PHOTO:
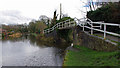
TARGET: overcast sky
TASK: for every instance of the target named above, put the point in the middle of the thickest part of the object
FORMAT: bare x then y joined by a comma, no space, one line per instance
22,11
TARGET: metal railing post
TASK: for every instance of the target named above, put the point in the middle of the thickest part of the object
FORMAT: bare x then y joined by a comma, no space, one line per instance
83,27
62,24
104,31
69,23
100,26
91,29
65,24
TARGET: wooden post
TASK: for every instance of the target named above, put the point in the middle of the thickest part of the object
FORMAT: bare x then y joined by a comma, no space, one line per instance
104,31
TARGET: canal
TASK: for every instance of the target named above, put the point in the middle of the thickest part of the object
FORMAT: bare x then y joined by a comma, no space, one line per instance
27,51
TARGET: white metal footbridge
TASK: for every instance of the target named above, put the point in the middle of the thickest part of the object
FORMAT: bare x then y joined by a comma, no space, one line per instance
84,23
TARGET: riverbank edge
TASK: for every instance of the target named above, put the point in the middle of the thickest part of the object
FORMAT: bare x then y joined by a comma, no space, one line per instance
67,51
65,54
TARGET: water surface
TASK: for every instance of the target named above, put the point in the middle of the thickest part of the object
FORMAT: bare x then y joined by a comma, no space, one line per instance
27,51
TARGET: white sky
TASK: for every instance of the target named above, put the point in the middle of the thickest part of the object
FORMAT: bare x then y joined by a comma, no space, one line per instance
21,11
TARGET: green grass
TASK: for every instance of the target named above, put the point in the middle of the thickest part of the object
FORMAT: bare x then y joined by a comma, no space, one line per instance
88,57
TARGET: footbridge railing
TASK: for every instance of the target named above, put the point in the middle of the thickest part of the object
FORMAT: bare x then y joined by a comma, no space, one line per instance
85,23
62,25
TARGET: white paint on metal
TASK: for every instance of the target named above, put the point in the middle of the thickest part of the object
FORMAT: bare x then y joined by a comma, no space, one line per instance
84,22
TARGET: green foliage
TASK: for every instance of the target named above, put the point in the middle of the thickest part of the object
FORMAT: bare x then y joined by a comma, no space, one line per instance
14,29
32,27
88,57
37,27
109,13
3,35
61,20
118,43
10,33
24,30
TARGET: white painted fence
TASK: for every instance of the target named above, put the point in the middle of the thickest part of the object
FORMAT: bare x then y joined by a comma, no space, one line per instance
84,22
62,25
91,27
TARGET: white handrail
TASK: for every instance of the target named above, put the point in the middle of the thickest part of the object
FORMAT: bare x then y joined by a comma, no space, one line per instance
61,25
100,23
83,24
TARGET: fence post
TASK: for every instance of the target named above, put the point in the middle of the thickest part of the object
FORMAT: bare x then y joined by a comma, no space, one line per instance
65,24
83,26
91,29
70,23
100,26
104,31
62,24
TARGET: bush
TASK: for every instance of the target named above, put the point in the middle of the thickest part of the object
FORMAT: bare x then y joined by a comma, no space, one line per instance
109,13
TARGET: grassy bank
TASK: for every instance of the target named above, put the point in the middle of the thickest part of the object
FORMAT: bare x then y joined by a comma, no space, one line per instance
88,57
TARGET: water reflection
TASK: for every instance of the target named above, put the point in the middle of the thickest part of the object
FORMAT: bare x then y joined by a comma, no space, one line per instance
27,51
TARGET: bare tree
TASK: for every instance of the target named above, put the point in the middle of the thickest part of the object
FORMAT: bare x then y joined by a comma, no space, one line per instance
93,4
89,3
44,19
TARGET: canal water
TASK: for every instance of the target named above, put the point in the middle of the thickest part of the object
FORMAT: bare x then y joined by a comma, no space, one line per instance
27,51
